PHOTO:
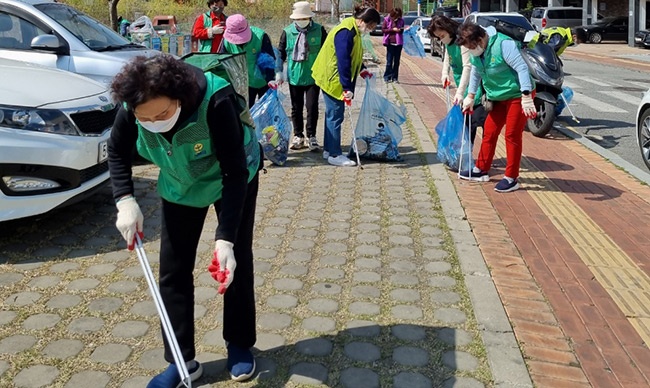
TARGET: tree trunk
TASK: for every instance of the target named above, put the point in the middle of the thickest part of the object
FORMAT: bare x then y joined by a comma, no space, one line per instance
112,14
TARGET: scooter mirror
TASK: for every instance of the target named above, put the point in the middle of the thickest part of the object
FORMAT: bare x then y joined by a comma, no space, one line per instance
529,36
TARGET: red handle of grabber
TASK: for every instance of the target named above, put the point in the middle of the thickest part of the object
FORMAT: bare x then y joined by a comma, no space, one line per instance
347,101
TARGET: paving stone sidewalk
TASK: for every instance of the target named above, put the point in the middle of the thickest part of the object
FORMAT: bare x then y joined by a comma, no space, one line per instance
358,281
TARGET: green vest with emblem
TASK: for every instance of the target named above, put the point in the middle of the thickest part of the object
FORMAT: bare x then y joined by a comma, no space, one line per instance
325,68
206,45
456,64
190,173
499,80
252,50
299,73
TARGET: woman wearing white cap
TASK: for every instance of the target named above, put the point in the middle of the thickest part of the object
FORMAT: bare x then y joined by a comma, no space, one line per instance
299,45
242,38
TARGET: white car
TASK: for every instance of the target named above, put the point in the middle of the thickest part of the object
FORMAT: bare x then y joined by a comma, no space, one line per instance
54,128
421,24
57,35
643,128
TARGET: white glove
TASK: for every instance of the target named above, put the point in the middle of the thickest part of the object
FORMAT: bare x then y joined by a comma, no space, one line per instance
458,99
468,104
129,220
348,95
528,106
217,30
223,264
444,80
279,78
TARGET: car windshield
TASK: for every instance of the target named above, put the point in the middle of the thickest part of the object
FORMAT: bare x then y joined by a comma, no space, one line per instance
92,33
605,21
518,21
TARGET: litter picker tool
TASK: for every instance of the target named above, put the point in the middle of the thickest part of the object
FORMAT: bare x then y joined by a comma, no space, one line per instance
467,123
566,103
448,98
357,145
162,312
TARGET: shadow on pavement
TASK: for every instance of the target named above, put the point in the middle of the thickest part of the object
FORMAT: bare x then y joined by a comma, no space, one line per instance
592,191
370,355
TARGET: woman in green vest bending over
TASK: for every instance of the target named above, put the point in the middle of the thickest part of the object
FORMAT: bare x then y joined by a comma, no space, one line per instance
497,62
299,45
335,72
187,123
239,38
457,59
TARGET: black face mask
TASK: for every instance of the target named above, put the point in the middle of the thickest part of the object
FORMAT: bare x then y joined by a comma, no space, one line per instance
217,9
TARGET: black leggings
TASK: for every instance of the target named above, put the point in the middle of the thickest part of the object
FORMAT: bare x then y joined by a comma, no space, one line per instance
181,231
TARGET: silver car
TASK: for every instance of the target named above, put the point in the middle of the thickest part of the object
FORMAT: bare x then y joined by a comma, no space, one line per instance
57,35
54,128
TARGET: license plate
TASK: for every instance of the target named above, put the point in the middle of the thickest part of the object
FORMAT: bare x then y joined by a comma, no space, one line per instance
103,151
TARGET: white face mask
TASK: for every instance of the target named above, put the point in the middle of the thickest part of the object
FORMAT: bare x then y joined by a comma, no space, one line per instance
162,126
477,52
446,39
302,23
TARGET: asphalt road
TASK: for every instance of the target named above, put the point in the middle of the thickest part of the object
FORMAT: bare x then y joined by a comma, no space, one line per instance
605,101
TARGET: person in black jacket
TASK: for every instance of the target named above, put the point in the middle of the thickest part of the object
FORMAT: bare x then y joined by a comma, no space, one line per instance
188,123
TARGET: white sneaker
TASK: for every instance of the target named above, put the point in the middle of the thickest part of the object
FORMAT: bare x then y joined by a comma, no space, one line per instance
326,155
297,143
341,161
313,145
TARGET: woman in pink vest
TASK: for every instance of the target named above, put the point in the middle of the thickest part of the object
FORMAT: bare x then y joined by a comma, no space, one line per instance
393,29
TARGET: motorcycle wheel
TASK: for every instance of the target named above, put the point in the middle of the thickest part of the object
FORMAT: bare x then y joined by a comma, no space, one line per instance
541,125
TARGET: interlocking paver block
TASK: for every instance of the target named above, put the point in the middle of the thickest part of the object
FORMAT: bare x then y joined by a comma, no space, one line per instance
319,324
41,321
411,380
322,305
16,343
36,376
457,360
362,351
130,329
88,379
85,325
308,373
63,348
111,353
274,321
359,378
106,305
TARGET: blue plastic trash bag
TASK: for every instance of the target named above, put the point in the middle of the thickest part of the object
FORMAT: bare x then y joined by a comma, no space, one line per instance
567,92
412,44
378,131
454,143
272,127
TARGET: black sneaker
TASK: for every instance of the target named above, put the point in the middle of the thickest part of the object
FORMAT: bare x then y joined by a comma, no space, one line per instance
470,175
505,186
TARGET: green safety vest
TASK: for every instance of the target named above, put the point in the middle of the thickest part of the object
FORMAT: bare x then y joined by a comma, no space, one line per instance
456,64
299,73
190,173
325,68
206,45
252,50
499,80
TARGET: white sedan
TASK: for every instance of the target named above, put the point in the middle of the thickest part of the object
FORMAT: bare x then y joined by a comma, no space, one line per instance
54,127
421,24
643,128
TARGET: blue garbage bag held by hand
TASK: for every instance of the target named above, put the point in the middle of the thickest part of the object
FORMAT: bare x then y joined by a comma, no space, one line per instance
451,144
272,126
378,131
412,44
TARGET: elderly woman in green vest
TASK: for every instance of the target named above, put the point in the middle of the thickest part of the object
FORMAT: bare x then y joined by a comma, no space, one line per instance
243,38
299,45
457,60
209,27
190,126
497,63
335,72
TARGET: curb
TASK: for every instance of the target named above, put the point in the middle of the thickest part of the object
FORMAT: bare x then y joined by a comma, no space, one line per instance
503,353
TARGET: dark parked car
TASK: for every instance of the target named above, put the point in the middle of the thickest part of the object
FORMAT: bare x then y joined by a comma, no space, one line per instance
642,38
437,48
609,28
450,12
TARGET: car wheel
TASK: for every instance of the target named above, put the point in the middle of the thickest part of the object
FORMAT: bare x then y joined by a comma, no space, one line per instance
643,137
595,38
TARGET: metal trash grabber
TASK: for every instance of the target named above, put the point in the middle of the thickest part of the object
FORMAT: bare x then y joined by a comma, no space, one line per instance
448,98
467,123
355,148
162,312
566,103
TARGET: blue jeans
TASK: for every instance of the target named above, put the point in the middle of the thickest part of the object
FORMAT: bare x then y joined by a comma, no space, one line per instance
334,110
393,56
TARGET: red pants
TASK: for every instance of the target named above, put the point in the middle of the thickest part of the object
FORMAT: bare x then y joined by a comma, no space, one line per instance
510,114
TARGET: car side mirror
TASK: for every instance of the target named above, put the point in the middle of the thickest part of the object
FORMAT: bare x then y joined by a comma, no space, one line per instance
49,42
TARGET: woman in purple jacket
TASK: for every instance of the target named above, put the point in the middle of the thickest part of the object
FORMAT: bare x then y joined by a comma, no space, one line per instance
393,29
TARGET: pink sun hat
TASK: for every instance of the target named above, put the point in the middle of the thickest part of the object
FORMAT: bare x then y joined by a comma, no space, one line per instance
237,29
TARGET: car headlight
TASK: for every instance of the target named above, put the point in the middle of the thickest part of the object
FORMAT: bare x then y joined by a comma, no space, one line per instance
39,120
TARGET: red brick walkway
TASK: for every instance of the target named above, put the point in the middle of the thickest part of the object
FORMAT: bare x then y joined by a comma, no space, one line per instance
578,315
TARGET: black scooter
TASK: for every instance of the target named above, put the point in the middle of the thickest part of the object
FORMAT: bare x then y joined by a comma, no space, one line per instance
546,70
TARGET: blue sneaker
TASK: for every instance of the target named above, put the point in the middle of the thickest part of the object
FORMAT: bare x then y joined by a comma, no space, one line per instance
506,186
171,379
470,175
241,363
